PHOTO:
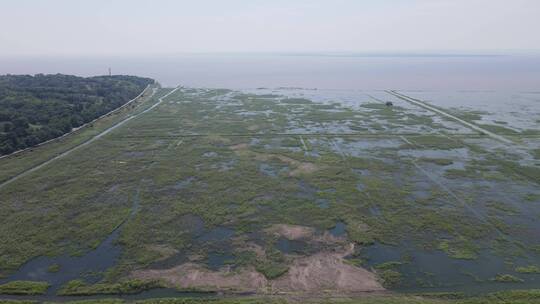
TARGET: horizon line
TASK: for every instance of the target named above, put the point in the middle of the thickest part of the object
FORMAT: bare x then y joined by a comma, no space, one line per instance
382,53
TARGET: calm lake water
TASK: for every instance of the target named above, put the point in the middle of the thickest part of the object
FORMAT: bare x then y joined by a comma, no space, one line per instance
330,71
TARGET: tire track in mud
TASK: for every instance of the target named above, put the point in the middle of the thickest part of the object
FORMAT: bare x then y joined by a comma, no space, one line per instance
86,143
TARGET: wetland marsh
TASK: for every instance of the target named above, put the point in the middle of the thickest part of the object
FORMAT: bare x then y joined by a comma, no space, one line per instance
262,191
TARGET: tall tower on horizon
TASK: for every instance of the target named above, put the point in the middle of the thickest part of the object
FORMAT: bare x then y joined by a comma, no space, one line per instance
110,74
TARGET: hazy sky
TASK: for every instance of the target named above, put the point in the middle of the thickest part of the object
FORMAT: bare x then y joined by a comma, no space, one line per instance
102,27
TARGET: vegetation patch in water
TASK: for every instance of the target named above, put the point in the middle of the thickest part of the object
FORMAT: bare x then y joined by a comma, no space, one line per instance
498,129
296,101
80,288
458,173
390,278
461,249
434,142
468,115
388,273
389,265
506,278
443,295
502,207
24,288
531,269
53,268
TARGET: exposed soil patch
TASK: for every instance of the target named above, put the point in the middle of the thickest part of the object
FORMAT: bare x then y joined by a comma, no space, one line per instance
325,272
192,275
296,232
300,168
292,232
240,147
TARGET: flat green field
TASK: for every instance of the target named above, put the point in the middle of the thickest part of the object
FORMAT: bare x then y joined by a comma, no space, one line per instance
289,192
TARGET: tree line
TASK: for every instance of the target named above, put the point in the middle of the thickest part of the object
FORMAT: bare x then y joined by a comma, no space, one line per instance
34,109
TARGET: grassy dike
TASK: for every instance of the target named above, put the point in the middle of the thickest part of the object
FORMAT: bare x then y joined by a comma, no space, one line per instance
506,297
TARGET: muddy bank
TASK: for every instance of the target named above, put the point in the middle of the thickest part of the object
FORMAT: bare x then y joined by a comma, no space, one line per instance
195,276
323,272
326,272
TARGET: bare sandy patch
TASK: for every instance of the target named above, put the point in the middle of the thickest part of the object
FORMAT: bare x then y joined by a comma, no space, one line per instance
325,272
297,232
191,275
239,147
322,273
299,167
292,232
330,239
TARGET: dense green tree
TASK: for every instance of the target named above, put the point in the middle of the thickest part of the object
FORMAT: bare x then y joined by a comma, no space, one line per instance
37,108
